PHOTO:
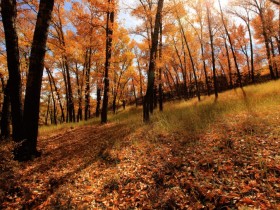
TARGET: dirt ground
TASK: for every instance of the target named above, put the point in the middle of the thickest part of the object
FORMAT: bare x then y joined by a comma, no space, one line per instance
114,166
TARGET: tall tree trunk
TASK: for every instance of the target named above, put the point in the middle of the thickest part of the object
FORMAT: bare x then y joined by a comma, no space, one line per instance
274,65
212,50
231,46
134,92
160,90
252,50
71,109
53,99
204,69
79,91
98,100
229,65
66,93
57,94
192,61
9,13
5,118
87,88
109,33
148,100
183,66
48,110
28,148
140,77
266,41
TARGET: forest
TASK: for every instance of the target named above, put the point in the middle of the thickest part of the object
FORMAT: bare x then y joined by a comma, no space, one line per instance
139,104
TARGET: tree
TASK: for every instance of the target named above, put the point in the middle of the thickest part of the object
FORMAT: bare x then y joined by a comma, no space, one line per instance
28,148
148,100
190,53
245,16
211,37
9,13
109,38
260,8
231,45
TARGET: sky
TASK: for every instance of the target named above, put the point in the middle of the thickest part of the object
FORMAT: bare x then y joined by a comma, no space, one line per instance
125,19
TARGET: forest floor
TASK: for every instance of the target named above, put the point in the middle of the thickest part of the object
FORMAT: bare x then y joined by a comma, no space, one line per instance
222,154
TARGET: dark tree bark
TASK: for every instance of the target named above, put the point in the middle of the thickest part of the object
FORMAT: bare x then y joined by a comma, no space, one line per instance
160,90
28,148
5,118
148,100
79,91
98,100
87,88
71,109
109,33
9,13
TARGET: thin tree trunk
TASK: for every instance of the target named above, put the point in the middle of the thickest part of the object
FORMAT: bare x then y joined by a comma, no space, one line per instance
212,51
274,65
160,91
48,110
192,61
229,65
231,46
53,99
71,110
57,94
87,88
79,92
109,33
252,51
266,41
152,64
